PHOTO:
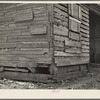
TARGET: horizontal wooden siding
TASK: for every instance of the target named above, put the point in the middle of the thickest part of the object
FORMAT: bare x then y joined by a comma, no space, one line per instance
24,35
71,39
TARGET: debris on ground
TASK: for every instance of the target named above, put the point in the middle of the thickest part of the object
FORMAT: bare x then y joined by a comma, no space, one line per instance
90,81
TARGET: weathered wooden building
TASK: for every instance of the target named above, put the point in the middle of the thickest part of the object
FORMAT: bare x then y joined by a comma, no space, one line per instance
41,42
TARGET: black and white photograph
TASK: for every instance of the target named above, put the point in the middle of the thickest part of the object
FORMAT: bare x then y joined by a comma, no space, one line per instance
50,46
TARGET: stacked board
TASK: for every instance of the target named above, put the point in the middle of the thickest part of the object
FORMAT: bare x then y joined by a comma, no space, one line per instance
24,35
71,34
85,32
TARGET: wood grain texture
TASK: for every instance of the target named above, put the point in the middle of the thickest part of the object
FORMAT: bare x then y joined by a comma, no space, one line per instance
74,25
24,15
26,76
60,30
66,54
71,60
40,29
60,38
74,36
59,11
72,43
58,43
41,34
63,8
73,50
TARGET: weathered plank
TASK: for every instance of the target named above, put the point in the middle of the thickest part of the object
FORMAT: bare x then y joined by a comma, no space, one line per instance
85,15
84,31
8,45
40,17
62,18
65,54
69,9
7,20
85,20
24,23
38,22
26,58
23,6
63,4
26,76
85,11
33,45
34,56
65,9
29,59
60,38
45,60
85,23
16,70
30,62
58,44
85,43
8,63
10,8
67,69
75,10
12,27
3,27
84,35
59,11
59,49
24,15
84,55
85,47
6,33
8,14
60,27
40,10
71,60
8,58
74,36
4,5
27,38
73,50
59,22
3,39
84,27
80,14
72,43
74,25
85,50
38,29
24,52
60,30
30,65
84,39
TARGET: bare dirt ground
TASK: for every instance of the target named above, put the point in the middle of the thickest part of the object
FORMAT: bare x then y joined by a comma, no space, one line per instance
90,81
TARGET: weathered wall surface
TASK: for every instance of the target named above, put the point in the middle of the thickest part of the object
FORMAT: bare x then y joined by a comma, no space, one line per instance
37,39
71,34
24,35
